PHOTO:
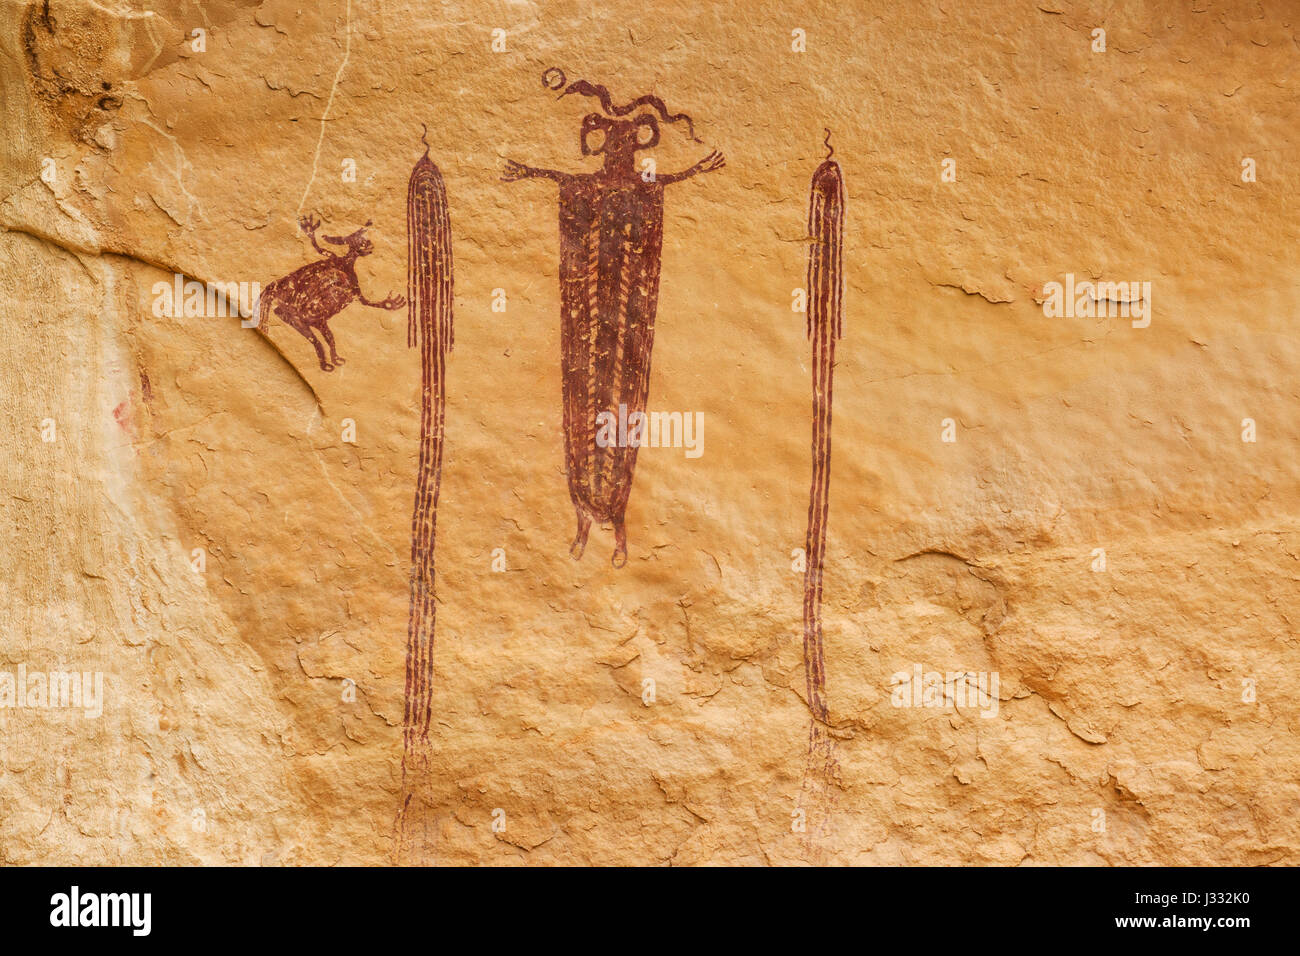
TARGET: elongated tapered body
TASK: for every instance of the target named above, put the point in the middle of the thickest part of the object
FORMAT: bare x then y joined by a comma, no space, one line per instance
611,236
429,287
825,326
610,240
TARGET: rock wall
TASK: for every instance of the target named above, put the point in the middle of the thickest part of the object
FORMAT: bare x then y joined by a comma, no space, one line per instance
1089,502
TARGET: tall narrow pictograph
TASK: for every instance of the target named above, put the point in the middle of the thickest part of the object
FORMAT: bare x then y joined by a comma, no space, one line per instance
611,235
825,327
429,290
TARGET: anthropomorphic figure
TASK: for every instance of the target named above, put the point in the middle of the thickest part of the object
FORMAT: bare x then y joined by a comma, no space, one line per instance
611,234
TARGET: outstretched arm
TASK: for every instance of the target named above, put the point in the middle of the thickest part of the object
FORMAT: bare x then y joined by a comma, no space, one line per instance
516,171
708,164
309,225
392,303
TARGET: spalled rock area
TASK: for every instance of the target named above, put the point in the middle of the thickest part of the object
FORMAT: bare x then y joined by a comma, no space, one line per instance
1094,507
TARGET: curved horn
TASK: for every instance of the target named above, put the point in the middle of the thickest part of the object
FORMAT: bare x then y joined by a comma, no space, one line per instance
599,92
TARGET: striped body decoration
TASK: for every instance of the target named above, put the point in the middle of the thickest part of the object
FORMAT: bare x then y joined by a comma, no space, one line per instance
611,237
429,293
610,240
825,326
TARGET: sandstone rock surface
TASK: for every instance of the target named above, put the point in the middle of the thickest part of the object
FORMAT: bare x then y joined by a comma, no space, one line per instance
1098,532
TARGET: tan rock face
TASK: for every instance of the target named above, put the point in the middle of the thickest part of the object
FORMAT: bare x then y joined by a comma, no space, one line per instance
1092,513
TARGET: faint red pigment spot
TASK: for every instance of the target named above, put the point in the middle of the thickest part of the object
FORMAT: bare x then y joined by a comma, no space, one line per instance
122,413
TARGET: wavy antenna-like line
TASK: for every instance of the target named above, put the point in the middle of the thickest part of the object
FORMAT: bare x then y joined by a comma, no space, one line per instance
601,93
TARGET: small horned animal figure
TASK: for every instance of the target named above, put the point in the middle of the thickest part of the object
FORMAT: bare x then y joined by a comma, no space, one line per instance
307,298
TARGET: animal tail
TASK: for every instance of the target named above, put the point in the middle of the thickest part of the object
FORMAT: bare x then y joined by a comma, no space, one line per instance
263,310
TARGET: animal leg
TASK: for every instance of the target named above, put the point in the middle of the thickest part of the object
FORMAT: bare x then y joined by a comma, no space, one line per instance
580,539
320,352
620,544
288,316
329,338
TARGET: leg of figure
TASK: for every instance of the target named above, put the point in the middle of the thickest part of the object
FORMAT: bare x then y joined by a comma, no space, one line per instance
329,338
320,351
620,543
580,539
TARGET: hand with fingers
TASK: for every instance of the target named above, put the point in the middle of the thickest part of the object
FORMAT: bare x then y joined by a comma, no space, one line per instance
515,172
715,160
